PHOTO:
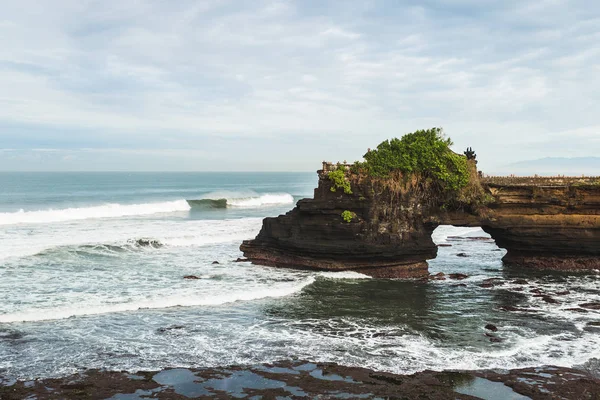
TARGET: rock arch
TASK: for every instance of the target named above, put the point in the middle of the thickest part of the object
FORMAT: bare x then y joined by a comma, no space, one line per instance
547,223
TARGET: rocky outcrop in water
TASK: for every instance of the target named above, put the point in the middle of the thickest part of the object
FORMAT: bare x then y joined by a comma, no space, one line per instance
387,236
546,223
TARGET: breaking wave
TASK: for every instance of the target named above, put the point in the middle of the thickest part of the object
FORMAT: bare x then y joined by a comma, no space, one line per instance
247,201
158,303
208,203
115,210
94,212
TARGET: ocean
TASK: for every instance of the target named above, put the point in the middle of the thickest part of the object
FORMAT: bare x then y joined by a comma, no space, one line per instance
92,270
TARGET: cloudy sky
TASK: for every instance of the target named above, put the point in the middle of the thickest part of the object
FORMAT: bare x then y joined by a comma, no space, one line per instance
283,85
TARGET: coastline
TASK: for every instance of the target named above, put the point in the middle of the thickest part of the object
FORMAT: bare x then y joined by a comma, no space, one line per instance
303,379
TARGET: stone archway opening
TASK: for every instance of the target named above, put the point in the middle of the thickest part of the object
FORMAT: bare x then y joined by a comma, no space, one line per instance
465,250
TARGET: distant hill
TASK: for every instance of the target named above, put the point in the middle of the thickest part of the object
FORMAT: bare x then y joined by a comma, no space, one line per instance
554,166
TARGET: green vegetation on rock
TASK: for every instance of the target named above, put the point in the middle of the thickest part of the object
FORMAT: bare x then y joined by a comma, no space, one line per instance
424,161
425,152
338,177
348,216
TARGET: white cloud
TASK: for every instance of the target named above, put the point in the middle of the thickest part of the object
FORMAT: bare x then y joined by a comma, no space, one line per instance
498,75
340,33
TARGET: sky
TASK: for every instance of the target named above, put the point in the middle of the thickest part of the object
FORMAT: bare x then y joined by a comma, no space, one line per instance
277,85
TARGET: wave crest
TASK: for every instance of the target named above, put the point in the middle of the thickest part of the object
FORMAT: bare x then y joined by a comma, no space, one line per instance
249,201
104,211
158,303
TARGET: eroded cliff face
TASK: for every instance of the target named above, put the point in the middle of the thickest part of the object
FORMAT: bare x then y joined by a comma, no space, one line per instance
388,237
543,223
550,225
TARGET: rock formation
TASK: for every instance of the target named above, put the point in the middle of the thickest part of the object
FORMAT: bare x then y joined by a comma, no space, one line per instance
388,235
543,223
546,223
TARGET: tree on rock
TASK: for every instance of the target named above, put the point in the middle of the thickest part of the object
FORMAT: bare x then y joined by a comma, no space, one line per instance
425,152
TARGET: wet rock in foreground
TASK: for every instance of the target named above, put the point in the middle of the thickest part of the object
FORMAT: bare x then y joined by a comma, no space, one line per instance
299,380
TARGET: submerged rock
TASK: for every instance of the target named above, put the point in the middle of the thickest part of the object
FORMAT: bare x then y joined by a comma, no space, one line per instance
491,327
457,276
579,310
491,282
550,300
306,380
170,328
191,277
148,243
518,309
591,306
440,276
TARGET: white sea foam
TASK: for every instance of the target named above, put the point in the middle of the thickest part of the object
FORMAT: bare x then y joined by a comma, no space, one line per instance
242,294
344,275
16,242
443,231
94,212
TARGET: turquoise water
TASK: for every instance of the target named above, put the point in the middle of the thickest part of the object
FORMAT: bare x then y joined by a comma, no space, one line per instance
92,267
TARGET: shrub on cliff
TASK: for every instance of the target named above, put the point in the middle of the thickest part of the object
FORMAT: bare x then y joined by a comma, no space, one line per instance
425,152
348,216
338,177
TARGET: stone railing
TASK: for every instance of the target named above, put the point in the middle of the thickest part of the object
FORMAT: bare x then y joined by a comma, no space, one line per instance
540,180
329,166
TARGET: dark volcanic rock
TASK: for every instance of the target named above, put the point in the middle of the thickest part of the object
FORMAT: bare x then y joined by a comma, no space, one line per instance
215,262
191,277
491,282
579,310
591,306
552,223
512,308
550,300
390,238
491,327
458,277
444,245
148,243
169,328
462,255
440,276
300,379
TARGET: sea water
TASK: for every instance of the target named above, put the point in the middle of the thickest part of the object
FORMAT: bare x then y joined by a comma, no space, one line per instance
92,270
